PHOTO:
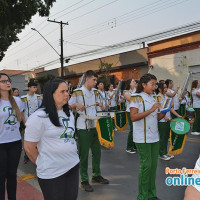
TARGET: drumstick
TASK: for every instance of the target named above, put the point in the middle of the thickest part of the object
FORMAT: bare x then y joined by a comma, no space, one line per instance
90,106
173,121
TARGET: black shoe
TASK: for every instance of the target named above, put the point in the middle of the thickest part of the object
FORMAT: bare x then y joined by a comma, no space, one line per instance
86,186
100,179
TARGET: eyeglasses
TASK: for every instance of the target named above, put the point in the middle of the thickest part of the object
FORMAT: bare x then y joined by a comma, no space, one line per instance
6,81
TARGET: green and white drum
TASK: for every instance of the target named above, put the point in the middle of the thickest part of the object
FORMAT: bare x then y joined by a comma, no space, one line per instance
178,135
105,132
121,120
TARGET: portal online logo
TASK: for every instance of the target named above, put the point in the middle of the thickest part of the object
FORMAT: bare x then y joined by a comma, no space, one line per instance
183,179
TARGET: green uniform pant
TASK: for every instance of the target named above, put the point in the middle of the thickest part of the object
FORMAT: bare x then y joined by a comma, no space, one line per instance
196,125
164,130
148,156
89,139
130,143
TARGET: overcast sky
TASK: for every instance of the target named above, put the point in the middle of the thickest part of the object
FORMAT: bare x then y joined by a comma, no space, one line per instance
94,24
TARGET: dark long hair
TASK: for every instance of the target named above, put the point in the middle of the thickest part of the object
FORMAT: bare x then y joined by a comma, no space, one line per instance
194,84
144,79
167,82
160,86
48,102
128,82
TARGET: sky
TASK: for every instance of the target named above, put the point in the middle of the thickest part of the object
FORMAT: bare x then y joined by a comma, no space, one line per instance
94,24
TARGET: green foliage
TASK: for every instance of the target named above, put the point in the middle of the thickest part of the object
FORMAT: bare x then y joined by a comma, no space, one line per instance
105,77
43,79
15,15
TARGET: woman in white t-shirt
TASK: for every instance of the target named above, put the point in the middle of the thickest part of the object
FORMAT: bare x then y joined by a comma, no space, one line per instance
10,138
112,96
195,90
49,143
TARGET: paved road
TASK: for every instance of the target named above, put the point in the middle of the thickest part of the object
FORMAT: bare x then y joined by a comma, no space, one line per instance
121,168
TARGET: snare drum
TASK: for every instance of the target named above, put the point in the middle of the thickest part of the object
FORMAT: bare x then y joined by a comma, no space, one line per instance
178,135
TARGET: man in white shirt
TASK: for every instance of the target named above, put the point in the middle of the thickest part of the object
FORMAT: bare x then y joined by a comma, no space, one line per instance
31,102
85,100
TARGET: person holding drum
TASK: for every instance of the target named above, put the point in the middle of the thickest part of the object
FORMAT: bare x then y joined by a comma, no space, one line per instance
173,94
164,124
145,117
130,89
195,90
104,99
112,96
84,99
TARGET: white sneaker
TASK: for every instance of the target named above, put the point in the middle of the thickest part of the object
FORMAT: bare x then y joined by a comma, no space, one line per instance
164,157
170,156
115,129
195,133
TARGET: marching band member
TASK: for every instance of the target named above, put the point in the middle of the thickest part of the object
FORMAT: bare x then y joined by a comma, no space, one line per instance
112,95
164,124
173,94
31,102
87,134
195,90
11,113
130,89
145,117
103,97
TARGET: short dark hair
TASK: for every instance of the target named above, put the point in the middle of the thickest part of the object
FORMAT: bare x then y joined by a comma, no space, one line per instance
48,102
13,89
144,79
90,73
32,83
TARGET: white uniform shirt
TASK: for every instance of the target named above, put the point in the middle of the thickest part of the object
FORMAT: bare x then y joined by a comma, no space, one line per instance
145,130
88,98
31,103
163,98
196,99
197,166
103,97
113,101
9,126
175,99
130,92
56,145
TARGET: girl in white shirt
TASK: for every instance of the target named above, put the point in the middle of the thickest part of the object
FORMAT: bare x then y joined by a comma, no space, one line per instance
10,137
49,143
145,116
195,90
112,97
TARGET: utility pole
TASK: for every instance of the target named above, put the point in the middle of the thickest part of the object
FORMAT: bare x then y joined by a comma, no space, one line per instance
61,43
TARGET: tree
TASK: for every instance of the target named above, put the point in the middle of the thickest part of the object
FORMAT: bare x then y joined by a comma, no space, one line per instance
105,77
43,79
15,15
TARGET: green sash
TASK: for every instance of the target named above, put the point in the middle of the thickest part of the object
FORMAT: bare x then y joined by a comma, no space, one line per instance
179,128
105,132
121,120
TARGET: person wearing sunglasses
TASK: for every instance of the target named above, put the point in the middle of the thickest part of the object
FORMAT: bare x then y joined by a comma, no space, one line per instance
10,138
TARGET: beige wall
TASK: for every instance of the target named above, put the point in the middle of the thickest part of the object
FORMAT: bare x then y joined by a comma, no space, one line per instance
175,66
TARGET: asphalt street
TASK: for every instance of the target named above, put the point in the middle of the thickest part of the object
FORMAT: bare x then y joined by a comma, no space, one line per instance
121,168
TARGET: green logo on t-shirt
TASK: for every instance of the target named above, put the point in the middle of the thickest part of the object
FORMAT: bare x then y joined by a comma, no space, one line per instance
65,123
11,117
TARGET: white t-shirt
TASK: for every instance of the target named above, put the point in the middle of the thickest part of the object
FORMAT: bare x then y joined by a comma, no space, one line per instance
113,101
175,99
129,92
86,98
196,99
56,145
31,103
103,97
197,166
9,126
145,130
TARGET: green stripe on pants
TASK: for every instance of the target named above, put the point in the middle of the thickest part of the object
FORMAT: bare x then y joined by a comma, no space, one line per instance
148,156
164,129
89,139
